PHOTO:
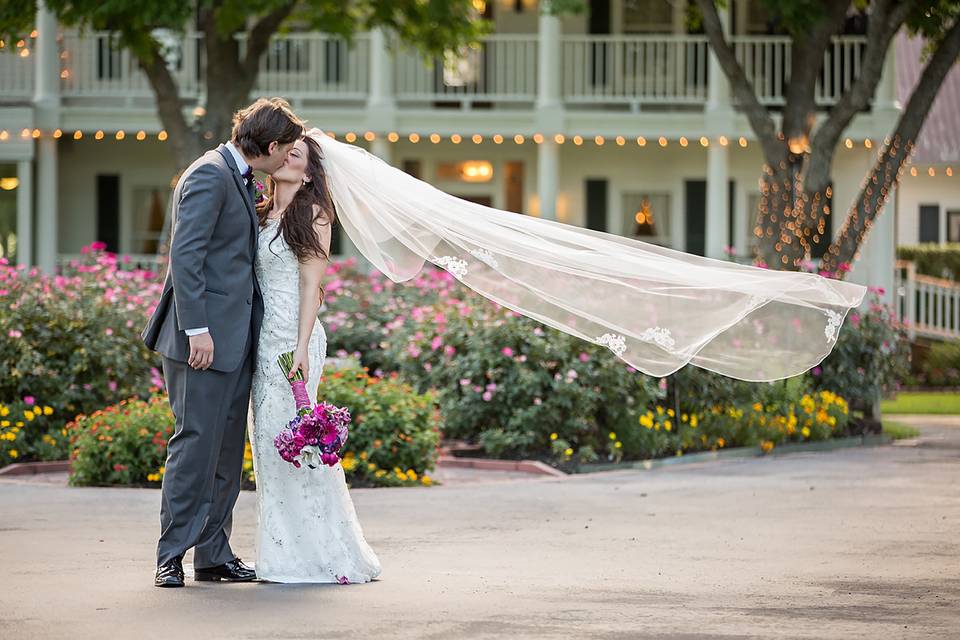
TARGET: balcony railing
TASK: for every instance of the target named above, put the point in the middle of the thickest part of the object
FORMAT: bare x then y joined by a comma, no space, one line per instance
633,71
928,306
503,68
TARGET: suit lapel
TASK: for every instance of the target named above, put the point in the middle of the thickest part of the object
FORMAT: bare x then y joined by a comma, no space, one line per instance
244,193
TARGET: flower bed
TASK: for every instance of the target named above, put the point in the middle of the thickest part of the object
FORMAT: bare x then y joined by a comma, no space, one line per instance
393,439
73,339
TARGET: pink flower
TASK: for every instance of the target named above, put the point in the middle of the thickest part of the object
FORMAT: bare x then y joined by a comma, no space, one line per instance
487,396
817,371
464,382
13,333
436,343
108,331
584,357
662,385
537,401
507,351
98,245
29,400
855,319
113,385
448,350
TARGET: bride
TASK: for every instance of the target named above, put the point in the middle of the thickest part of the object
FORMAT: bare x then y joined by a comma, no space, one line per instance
307,527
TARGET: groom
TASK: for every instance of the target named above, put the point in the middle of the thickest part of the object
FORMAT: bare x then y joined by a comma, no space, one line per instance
206,327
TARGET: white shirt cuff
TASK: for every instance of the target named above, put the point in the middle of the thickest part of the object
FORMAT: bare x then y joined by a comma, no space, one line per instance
196,332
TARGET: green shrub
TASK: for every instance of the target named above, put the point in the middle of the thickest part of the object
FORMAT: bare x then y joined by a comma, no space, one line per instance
941,366
394,435
31,431
393,440
123,444
73,339
939,261
871,357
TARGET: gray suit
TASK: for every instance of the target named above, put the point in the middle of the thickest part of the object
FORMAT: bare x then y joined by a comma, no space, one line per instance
210,283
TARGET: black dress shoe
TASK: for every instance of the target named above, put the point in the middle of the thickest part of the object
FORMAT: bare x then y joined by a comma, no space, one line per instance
233,571
169,574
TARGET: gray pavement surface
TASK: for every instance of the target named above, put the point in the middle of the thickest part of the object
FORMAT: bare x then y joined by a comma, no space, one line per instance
855,543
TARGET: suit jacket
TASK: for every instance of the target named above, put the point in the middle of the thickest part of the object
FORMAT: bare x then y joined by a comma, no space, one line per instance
210,281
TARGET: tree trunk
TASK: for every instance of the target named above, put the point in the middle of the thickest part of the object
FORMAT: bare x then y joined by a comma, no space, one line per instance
886,172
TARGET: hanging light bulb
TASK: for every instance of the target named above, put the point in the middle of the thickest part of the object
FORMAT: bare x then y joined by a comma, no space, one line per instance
683,141
538,138
393,136
477,138
662,141
704,141
518,139
414,137
350,137
498,139
641,141
456,138
162,136
723,141
621,141
599,141
77,134
141,135
435,138
577,140
121,135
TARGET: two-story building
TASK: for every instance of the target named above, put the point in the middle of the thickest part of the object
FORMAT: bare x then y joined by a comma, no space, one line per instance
618,119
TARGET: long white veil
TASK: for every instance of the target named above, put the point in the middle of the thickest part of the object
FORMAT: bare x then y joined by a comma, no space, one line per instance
657,309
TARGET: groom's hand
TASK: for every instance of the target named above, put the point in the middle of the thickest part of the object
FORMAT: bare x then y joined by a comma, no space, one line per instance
201,351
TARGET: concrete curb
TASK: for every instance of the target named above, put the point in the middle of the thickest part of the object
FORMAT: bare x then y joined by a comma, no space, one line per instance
740,453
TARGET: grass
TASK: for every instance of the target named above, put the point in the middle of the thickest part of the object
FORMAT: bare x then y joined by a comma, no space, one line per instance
899,431
920,402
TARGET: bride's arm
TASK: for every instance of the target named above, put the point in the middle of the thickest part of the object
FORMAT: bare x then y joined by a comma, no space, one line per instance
311,295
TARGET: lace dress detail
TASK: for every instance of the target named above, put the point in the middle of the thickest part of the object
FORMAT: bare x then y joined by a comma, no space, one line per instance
307,529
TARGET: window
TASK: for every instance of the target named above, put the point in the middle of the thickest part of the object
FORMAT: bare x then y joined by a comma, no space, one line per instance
646,216
953,226
929,223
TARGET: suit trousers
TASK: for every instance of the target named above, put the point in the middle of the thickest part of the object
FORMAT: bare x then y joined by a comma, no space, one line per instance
204,465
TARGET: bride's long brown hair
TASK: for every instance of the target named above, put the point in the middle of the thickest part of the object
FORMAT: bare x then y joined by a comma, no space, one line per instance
297,221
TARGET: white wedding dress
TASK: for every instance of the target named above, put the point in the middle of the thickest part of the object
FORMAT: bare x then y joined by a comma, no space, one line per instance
307,527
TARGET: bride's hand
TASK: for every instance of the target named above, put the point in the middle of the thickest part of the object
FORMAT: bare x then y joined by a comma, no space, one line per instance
301,361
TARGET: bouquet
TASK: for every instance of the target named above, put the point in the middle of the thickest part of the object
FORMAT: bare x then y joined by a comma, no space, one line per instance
317,433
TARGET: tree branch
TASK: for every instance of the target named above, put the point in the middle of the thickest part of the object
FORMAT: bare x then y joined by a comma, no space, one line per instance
258,38
879,183
760,120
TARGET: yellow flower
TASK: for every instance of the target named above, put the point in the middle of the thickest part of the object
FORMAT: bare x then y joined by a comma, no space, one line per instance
426,480
670,413
659,411
694,421
667,425
568,452
402,476
684,417
48,411
371,466
162,470
613,436
4,411
412,474
153,477
806,432
766,445
348,463
13,453
646,421
380,473
28,415
554,436
721,442
618,444
5,423
363,455
757,406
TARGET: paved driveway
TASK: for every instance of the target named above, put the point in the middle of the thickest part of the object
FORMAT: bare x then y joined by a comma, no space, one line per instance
861,543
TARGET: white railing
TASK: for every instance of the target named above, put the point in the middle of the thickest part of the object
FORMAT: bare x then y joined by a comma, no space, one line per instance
94,65
928,306
766,62
503,68
595,70
16,70
315,65
635,69
310,65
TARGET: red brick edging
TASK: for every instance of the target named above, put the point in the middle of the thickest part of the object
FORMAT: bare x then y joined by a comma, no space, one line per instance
33,468
488,464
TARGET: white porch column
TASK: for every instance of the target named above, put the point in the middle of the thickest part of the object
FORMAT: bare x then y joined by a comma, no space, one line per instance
882,251
886,98
25,212
47,108
548,60
381,148
548,177
718,200
381,73
719,116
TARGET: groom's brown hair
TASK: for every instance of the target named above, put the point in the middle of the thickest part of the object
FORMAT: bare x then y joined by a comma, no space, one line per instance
264,121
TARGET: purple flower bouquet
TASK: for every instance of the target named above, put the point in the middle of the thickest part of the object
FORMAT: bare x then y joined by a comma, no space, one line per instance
317,433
